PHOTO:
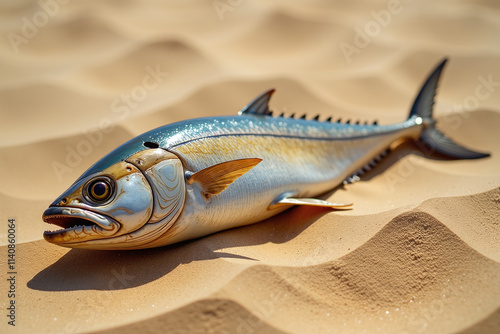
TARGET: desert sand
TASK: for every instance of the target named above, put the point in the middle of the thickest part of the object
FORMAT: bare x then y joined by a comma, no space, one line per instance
420,251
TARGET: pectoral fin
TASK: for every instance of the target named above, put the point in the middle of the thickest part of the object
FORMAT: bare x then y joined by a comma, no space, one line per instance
310,202
217,178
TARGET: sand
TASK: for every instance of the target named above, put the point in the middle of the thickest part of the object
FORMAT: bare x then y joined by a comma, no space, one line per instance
418,254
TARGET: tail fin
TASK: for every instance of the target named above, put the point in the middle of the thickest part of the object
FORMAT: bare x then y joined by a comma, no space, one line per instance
431,136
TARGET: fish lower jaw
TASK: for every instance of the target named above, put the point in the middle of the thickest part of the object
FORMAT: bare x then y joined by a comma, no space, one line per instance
74,228
75,233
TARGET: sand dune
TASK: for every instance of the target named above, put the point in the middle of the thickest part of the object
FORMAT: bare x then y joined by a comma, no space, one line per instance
413,273
418,254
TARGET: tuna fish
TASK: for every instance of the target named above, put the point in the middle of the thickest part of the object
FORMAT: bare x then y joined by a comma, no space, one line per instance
196,177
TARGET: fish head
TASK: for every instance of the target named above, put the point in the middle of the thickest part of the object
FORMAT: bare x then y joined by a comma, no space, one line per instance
127,205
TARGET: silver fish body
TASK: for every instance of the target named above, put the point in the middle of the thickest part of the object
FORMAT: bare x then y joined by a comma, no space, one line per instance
300,159
211,174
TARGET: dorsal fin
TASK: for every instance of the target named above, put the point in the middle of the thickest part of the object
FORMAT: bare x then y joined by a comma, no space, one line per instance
259,105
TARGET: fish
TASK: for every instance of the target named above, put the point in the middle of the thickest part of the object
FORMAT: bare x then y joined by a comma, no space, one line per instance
197,177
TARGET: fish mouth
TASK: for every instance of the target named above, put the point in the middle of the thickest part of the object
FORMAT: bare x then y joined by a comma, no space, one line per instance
78,225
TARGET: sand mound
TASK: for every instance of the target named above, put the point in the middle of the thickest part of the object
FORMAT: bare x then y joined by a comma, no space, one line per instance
413,273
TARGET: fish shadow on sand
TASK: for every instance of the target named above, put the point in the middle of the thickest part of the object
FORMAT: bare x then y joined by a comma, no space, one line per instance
81,269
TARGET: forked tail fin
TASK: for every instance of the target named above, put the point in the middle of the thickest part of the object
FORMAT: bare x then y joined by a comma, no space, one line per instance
431,136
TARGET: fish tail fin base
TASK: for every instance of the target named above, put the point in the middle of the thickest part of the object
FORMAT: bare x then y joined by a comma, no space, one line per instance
433,139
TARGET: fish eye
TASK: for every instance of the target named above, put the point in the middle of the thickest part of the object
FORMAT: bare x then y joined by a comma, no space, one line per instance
99,190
